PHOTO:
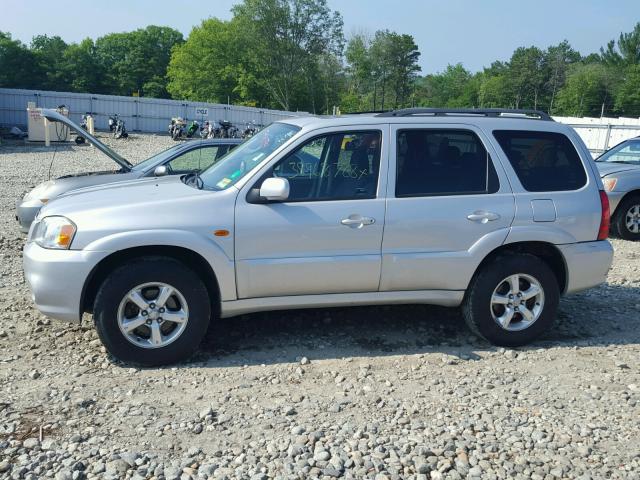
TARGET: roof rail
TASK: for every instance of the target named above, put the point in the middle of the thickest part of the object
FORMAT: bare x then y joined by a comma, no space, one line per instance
486,112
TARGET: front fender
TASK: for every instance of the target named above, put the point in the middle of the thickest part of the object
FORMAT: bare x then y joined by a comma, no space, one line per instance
213,250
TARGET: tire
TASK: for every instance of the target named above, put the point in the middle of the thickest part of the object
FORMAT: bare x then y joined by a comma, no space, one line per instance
479,311
111,310
619,226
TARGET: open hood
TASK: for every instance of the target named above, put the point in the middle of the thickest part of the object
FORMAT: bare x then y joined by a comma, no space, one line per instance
55,116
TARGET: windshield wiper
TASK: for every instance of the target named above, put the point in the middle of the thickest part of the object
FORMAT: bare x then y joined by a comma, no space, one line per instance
193,179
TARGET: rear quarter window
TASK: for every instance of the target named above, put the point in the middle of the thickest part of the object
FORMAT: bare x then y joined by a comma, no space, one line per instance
543,161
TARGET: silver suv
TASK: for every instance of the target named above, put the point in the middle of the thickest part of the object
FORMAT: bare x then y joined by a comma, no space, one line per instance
500,211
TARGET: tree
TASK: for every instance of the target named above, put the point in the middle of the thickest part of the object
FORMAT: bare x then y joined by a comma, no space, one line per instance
132,60
83,70
207,67
586,92
285,38
455,87
627,51
627,95
526,76
19,67
556,61
49,52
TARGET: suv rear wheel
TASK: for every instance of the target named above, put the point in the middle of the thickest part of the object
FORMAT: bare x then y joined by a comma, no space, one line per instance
152,311
626,221
512,300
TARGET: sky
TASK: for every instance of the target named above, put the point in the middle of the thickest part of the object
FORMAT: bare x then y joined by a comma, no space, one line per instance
474,33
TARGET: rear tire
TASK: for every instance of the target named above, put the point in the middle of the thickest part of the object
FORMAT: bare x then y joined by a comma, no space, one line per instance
624,220
496,306
155,340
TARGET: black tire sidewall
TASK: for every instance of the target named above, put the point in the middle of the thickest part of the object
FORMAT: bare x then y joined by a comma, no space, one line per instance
619,220
477,301
125,278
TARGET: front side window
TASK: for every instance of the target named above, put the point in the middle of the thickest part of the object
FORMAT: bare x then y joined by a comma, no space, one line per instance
434,162
194,160
543,161
247,156
627,152
338,166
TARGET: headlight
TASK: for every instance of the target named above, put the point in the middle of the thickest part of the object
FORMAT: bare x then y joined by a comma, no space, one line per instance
54,232
610,183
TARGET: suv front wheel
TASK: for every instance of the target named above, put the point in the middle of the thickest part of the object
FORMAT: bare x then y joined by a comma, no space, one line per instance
152,311
512,300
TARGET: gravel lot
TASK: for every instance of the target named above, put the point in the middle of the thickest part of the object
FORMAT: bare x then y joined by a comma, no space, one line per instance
384,393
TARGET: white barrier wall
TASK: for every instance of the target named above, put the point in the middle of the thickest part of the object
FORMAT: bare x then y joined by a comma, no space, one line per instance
139,113
600,134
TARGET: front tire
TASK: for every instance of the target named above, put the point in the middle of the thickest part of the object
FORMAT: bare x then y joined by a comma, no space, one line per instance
152,311
625,223
512,301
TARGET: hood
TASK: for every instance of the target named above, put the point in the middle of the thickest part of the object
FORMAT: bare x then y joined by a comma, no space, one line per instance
607,168
55,116
145,195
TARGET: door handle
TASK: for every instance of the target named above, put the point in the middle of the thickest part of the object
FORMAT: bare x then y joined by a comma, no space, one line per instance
357,221
482,216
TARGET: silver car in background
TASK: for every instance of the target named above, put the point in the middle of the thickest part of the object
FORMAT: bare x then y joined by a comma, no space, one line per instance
619,168
183,158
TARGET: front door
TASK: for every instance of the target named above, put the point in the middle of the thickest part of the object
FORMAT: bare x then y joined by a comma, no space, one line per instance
449,204
326,237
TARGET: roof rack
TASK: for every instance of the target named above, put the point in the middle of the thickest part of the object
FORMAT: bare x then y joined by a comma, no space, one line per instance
486,112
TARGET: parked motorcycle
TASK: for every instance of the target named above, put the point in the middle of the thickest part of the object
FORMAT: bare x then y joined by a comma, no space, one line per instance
250,130
176,128
79,138
194,126
227,129
117,126
207,130
113,121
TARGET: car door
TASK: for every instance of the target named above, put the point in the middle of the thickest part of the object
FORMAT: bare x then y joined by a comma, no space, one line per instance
195,159
326,237
449,204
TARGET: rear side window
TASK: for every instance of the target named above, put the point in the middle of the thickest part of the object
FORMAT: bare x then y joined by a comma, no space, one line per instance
434,162
543,161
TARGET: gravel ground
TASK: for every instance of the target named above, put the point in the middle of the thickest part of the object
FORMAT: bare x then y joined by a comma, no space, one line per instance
380,393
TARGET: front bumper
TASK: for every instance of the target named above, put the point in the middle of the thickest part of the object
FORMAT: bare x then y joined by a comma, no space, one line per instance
587,264
57,278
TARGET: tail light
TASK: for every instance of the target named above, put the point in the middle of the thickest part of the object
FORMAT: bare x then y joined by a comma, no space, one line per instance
605,217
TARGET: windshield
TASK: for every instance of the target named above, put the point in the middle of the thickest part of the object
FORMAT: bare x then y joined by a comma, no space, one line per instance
247,156
158,157
627,152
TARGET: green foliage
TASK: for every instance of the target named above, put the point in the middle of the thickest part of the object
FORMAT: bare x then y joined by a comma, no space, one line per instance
586,90
19,67
382,71
291,54
132,60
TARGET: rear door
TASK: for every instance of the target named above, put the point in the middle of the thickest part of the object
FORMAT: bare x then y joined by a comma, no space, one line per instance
449,204
554,192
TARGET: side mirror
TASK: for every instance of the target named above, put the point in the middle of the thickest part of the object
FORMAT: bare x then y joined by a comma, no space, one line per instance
160,171
275,189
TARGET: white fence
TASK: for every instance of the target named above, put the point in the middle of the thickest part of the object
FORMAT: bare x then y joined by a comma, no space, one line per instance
140,114
601,134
